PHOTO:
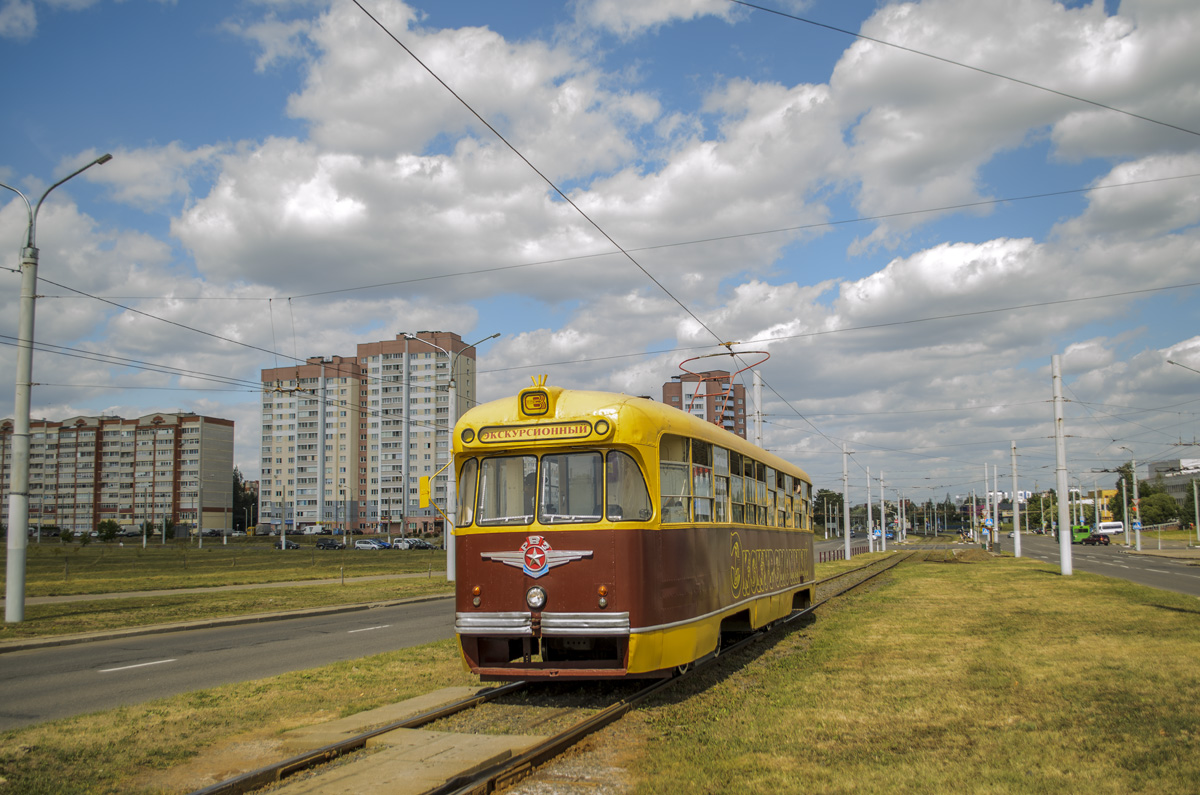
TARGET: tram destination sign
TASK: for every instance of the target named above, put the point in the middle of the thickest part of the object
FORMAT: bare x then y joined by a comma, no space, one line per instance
541,432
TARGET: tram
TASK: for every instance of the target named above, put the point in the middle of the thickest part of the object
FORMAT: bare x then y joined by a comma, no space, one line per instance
603,536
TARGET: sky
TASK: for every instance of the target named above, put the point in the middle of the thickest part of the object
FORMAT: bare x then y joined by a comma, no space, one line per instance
902,210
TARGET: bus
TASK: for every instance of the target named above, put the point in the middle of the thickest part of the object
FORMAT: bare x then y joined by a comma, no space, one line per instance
601,536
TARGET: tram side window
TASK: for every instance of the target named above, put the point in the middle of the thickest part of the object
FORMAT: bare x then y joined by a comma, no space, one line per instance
720,484
737,498
571,489
628,497
674,483
702,480
466,493
507,486
772,505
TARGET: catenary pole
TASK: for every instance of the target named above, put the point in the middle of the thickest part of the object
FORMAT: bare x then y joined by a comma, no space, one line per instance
1060,469
1016,503
870,520
882,516
846,500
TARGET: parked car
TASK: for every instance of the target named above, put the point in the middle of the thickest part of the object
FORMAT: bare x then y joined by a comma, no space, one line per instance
420,543
370,543
285,544
238,533
330,543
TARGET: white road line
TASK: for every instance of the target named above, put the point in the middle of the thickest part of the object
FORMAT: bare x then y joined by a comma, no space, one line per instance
368,629
139,665
1156,571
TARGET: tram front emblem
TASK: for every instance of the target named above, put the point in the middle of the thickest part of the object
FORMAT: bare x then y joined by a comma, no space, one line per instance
536,556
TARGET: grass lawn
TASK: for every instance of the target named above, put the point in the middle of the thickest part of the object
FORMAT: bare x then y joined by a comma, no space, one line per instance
991,677
54,570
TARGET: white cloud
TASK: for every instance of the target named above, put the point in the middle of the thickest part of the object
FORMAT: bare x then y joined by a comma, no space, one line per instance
18,19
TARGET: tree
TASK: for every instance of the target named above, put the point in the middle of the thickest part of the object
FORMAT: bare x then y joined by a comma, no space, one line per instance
168,527
108,529
829,507
245,501
1159,508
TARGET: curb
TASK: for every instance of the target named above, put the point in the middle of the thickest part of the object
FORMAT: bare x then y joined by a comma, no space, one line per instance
183,626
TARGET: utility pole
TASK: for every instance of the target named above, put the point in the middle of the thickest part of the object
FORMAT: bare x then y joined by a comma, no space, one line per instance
1060,468
846,500
870,521
882,516
1016,505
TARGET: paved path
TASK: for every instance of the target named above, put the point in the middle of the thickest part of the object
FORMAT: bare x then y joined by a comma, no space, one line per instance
89,597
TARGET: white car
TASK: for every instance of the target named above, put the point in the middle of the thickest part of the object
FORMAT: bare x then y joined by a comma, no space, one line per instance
368,543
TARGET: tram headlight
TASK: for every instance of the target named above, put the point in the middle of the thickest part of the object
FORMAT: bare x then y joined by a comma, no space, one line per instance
475,595
602,591
535,597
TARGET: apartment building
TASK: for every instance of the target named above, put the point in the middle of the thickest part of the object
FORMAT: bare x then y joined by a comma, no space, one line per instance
710,395
83,470
385,417
1176,475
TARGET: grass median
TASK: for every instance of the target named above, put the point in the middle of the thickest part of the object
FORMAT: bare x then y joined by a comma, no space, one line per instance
943,676
108,569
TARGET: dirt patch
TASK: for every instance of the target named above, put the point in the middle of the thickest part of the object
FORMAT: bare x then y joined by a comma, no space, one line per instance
973,556
223,761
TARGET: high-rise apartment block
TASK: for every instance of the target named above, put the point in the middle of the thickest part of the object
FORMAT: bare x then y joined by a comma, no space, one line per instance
383,416
84,470
710,395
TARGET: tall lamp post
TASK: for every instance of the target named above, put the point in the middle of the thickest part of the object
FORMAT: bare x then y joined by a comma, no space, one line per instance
451,476
18,505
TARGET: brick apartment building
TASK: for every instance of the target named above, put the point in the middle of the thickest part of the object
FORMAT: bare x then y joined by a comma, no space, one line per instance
711,396
83,470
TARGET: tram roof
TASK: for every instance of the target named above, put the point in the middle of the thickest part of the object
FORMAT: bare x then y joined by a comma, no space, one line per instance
638,420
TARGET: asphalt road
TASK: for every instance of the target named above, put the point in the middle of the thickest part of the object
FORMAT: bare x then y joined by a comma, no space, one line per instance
60,681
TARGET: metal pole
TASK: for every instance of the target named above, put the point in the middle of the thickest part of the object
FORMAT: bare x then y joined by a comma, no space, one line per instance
846,501
1137,513
1125,526
882,516
1196,507
1060,468
1016,506
18,500
870,521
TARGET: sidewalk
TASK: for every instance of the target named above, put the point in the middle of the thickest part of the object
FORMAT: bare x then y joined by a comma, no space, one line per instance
90,597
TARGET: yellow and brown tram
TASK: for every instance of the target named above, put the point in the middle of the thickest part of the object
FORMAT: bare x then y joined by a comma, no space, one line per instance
601,535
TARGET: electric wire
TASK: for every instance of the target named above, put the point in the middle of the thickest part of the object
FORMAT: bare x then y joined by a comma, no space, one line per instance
962,65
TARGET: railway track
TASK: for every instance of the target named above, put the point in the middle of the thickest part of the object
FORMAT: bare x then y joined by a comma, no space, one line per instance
551,717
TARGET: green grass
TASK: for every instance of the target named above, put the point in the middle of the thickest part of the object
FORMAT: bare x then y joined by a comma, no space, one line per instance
970,678
53,569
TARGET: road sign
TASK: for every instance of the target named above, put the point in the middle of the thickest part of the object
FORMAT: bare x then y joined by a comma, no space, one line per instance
1136,525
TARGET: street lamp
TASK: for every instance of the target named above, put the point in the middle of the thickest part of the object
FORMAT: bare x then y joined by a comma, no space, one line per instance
1184,366
451,477
18,506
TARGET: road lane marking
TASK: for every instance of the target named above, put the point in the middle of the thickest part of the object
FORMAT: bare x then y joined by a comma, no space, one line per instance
1156,571
368,629
139,665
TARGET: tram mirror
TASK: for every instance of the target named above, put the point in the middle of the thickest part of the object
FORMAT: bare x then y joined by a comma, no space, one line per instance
424,491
